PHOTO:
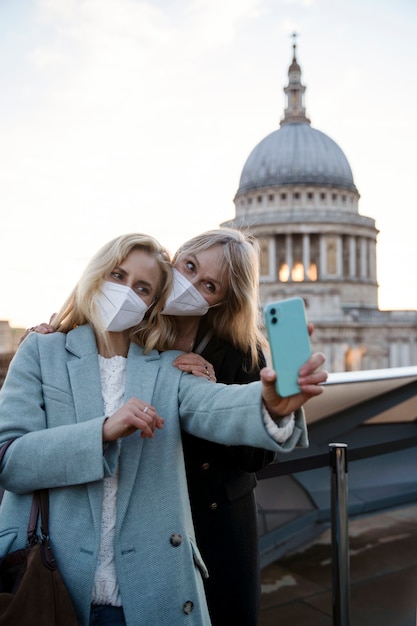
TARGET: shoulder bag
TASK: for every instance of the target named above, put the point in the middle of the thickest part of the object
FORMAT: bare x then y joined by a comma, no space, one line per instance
31,588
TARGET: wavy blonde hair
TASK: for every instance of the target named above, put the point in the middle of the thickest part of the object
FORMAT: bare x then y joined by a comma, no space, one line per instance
81,305
237,318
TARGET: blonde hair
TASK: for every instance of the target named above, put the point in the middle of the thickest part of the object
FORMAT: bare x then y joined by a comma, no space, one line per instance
81,305
236,319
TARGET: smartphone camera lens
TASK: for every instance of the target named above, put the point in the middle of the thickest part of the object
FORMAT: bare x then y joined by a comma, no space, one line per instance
273,313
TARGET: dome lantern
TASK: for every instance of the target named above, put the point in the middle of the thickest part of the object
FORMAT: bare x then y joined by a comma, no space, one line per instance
295,111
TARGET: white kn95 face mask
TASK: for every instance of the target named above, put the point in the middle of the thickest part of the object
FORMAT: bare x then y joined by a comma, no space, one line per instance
184,298
120,307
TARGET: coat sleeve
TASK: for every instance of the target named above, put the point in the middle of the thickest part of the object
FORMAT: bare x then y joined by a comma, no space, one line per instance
231,415
236,368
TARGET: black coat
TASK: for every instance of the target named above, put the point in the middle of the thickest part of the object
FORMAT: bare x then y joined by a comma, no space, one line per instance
221,481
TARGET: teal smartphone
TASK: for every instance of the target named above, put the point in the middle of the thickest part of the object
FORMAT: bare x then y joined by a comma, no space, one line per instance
289,341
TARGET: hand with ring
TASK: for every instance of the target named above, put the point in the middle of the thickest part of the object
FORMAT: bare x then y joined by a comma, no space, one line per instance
195,364
43,328
132,416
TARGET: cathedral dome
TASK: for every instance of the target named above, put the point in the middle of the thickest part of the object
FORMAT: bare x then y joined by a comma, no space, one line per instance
296,154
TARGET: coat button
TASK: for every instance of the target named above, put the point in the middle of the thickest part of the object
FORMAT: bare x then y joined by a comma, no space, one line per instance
213,506
188,607
205,466
175,540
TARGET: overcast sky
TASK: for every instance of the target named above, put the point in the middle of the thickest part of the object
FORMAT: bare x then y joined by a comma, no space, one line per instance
130,115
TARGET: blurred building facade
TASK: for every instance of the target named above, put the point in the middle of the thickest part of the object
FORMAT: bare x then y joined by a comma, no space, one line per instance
297,196
9,340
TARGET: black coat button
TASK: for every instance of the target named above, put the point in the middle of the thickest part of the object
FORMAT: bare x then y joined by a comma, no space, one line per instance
188,607
205,466
213,506
175,540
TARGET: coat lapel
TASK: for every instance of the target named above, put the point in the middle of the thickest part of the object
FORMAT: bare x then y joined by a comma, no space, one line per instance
141,375
84,373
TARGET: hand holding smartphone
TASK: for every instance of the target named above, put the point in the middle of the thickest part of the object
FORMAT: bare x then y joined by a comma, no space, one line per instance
287,330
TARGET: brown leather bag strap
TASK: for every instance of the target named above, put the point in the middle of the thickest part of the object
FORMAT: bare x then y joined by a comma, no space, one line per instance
37,501
43,498
47,555
33,520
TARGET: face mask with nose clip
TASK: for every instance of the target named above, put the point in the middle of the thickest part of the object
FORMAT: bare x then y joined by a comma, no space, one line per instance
120,307
184,299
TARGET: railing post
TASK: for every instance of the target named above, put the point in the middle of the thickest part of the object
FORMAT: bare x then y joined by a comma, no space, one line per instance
340,534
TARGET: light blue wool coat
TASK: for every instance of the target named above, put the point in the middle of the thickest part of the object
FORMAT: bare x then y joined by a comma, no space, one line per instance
52,401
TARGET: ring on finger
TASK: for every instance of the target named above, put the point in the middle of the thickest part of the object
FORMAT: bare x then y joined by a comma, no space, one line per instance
145,410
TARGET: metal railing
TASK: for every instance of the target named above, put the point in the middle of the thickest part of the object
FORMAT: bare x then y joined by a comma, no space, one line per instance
340,534
337,461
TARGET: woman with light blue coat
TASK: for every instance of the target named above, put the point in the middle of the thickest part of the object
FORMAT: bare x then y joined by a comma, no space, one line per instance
98,421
